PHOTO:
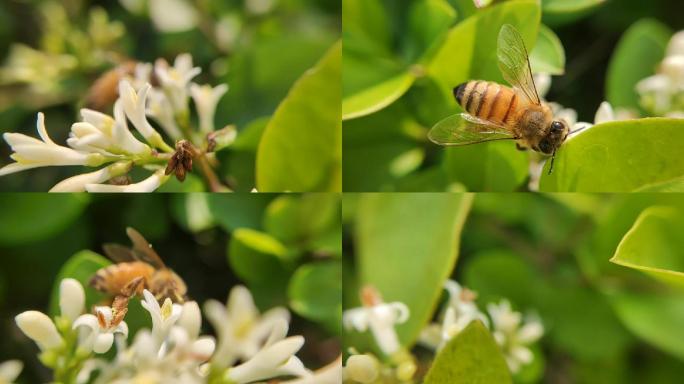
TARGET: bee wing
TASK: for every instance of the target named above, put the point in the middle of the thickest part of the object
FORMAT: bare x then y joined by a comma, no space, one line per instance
142,249
118,253
514,63
464,129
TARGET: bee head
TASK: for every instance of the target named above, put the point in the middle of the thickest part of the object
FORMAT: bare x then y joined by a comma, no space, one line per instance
555,135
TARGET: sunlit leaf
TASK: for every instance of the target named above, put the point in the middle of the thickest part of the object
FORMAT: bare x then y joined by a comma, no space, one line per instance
315,292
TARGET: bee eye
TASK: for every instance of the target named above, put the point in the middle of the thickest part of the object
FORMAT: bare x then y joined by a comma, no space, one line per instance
545,146
556,126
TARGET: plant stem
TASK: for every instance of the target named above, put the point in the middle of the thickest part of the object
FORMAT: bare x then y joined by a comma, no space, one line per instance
214,184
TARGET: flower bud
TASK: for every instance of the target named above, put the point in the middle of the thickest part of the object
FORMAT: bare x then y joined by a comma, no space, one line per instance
191,319
71,299
673,68
362,368
676,44
39,328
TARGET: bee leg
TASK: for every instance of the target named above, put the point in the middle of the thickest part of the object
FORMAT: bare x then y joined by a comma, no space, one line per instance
520,147
133,286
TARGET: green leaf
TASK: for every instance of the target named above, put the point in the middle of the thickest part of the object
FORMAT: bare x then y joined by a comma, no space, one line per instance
472,357
238,210
298,220
418,236
306,131
257,258
499,166
422,37
315,292
32,217
82,267
559,12
366,22
657,319
618,156
548,55
375,97
636,57
655,246
469,51
192,183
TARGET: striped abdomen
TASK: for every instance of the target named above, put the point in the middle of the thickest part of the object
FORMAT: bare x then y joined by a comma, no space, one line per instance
113,278
489,101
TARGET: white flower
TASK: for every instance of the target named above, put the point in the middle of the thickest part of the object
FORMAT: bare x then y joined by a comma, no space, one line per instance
175,80
31,153
191,318
101,133
259,7
676,44
330,374
461,310
241,330
71,299
511,336
380,317
134,106
543,83
97,333
161,110
173,15
206,98
362,368
148,185
10,370
163,318
39,328
78,183
274,360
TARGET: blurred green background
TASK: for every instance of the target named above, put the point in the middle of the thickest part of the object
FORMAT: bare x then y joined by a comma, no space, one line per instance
546,253
400,70
259,53
285,248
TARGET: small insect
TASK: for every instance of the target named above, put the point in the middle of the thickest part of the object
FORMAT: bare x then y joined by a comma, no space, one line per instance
497,112
105,90
137,268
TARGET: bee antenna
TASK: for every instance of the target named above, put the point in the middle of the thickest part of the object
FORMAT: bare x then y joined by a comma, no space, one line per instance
553,157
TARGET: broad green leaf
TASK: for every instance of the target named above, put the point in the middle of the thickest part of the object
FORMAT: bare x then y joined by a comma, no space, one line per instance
31,217
422,37
618,156
469,51
472,357
559,12
657,319
366,22
636,57
234,211
655,245
298,220
548,55
238,161
82,267
404,238
377,96
674,185
491,166
306,131
380,148
192,212
257,258
315,292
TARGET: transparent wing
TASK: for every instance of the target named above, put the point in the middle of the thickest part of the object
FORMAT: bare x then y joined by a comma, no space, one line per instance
142,249
118,253
464,129
514,63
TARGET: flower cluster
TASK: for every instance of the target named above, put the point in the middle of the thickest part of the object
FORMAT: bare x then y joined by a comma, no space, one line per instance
513,336
100,139
663,93
249,346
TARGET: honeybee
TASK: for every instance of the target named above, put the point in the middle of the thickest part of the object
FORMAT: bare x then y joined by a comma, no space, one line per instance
137,268
498,112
